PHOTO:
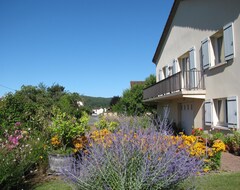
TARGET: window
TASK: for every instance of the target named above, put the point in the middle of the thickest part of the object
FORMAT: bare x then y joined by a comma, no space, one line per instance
222,112
188,68
160,75
218,48
165,71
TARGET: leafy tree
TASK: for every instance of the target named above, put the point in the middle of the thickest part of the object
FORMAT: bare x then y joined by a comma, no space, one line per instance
150,81
131,100
32,105
114,100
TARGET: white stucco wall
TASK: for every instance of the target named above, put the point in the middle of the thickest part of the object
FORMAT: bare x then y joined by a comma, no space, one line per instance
195,20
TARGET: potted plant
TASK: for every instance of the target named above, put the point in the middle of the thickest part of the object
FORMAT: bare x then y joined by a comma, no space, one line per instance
64,130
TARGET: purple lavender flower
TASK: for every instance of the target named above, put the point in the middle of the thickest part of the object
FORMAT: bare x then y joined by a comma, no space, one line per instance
134,158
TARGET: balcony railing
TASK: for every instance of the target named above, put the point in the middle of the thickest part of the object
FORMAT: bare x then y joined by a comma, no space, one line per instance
188,80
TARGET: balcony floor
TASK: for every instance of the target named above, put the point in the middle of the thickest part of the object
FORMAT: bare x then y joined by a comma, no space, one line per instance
195,94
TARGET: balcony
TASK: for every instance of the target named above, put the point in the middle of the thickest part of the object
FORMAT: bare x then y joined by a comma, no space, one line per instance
182,84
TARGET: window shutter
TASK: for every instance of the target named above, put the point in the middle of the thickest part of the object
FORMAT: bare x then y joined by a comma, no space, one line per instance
175,68
205,53
228,41
192,68
208,112
160,75
166,73
232,112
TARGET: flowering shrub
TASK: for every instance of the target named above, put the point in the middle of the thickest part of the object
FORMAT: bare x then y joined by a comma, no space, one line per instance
21,150
233,143
197,146
65,129
197,131
133,158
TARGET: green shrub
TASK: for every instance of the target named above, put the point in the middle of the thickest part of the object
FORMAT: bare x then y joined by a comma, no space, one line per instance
105,123
21,153
232,142
65,128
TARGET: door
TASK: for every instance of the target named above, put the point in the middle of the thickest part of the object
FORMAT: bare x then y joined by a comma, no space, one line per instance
185,72
187,117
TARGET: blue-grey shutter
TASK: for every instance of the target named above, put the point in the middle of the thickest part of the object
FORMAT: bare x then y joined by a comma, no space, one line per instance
192,68
166,71
160,75
228,41
205,54
232,112
175,68
208,112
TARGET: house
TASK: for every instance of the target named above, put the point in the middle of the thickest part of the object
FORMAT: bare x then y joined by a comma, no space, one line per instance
99,111
133,83
198,64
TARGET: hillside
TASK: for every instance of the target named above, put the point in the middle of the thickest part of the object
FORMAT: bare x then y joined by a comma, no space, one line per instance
96,102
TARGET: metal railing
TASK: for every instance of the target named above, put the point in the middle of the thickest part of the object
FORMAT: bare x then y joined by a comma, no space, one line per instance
187,80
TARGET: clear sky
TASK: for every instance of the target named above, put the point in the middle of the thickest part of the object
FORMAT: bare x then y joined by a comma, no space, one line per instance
93,47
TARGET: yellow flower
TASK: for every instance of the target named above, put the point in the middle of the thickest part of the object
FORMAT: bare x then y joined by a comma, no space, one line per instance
55,141
206,169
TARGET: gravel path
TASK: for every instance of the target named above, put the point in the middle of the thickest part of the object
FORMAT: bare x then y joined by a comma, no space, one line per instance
230,162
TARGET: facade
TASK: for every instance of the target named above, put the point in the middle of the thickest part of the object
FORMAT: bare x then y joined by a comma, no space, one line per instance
197,65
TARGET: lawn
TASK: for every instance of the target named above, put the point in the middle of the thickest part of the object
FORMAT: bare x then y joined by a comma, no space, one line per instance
220,181
54,185
216,181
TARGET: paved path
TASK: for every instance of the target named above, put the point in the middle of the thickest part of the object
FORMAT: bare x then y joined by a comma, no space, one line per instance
230,162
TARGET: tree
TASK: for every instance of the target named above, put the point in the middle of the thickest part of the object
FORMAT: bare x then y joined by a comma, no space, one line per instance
150,81
131,100
114,100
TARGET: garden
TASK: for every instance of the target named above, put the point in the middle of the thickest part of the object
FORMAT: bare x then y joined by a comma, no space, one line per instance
41,125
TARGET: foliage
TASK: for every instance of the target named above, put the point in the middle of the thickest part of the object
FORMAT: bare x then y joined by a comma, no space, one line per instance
114,100
21,152
96,102
211,152
131,100
65,128
197,132
105,123
133,158
31,105
150,81
233,142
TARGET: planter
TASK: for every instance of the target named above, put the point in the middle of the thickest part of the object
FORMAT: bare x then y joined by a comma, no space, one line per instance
59,162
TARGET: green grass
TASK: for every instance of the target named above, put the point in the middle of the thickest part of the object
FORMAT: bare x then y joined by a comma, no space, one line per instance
54,185
220,181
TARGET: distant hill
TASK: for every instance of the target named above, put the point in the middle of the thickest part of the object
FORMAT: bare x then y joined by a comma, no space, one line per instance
96,102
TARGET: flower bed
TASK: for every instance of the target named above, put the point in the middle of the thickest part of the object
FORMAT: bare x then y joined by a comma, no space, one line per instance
134,158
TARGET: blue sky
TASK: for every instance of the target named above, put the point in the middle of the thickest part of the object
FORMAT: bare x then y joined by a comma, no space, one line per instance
93,47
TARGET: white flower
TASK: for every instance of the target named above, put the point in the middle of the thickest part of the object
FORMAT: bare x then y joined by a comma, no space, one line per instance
38,139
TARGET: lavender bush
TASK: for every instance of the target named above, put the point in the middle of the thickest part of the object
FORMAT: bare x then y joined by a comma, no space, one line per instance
133,158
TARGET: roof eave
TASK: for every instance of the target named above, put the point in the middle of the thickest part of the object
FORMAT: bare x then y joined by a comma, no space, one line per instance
165,31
